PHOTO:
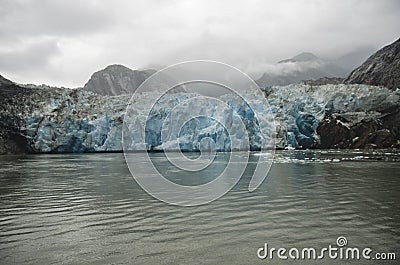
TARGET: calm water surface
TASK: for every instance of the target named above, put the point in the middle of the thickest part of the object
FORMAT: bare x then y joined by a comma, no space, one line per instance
87,209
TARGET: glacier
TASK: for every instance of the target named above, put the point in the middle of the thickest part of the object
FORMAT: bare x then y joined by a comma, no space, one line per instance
73,120
186,119
299,109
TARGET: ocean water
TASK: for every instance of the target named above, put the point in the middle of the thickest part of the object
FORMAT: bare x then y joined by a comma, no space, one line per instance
88,209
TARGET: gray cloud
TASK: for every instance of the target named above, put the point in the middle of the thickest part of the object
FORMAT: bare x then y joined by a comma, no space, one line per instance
29,55
64,42
21,19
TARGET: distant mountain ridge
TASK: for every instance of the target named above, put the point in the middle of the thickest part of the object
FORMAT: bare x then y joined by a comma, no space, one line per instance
304,66
380,69
302,57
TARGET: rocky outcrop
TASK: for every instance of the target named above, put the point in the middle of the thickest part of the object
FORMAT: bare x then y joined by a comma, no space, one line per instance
381,69
116,80
382,131
13,102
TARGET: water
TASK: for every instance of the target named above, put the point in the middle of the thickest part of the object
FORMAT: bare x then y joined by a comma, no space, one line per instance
87,209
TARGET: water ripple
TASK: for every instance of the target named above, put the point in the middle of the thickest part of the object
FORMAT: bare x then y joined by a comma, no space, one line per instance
79,209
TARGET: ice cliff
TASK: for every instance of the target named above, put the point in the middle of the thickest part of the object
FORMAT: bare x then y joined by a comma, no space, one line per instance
40,119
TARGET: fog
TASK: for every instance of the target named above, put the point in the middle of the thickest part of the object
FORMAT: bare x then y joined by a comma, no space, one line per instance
63,42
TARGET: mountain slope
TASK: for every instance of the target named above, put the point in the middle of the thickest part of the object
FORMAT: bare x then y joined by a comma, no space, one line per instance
381,69
116,80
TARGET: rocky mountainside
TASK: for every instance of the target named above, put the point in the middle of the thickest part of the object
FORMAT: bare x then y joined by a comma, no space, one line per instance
116,80
13,100
381,69
305,66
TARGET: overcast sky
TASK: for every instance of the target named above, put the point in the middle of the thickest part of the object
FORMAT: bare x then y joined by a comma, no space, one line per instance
63,42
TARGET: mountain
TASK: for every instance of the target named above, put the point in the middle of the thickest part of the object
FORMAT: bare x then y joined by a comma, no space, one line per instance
120,80
302,57
116,80
381,69
304,66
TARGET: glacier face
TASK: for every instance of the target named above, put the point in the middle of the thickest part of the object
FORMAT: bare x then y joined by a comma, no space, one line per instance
299,109
65,120
182,121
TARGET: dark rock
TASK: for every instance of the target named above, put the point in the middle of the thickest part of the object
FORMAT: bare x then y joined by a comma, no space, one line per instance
336,132
12,102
